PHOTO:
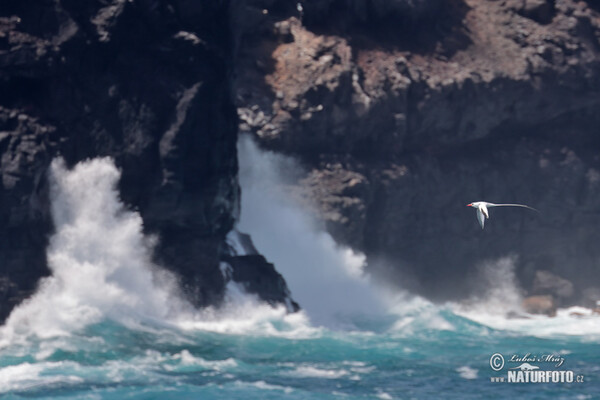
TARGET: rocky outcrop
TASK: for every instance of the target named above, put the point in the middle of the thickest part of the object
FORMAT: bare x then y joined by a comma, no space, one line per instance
258,276
145,82
403,116
244,265
540,304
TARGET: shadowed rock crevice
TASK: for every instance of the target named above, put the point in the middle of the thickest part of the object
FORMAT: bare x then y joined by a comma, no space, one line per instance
422,26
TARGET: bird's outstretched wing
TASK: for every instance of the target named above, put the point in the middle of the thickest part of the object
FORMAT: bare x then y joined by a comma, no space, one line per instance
511,205
480,218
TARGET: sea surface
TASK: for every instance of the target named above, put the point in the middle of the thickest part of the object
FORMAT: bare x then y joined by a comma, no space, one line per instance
430,352
108,324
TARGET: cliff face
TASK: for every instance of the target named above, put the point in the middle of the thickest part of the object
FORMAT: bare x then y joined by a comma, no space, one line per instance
147,83
401,111
404,112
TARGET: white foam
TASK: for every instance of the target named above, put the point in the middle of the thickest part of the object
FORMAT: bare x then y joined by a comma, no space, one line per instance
567,322
187,359
500,293
184,361
314,372
499,307
359,367
245,314
383,395
28,376
467,372
99,258
262,385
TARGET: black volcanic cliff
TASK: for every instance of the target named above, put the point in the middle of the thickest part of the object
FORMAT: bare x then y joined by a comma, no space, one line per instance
401,112
405,111
147,83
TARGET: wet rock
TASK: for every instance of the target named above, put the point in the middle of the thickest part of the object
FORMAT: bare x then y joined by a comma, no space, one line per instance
543,304
243,265
259,277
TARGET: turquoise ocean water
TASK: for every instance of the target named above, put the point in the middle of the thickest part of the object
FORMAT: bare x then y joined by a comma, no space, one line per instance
275,358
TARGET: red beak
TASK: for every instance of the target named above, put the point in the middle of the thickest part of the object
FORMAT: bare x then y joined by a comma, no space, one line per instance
470,205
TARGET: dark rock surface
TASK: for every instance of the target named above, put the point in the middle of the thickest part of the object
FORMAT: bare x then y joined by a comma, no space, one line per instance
260,277
145,82
403,117
244,265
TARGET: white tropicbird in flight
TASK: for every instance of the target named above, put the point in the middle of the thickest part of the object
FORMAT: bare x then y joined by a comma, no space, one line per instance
482,212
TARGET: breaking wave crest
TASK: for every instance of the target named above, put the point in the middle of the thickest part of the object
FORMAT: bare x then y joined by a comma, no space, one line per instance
101,269
98,256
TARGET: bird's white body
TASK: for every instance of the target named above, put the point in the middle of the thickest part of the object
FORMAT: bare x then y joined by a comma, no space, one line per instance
482,209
